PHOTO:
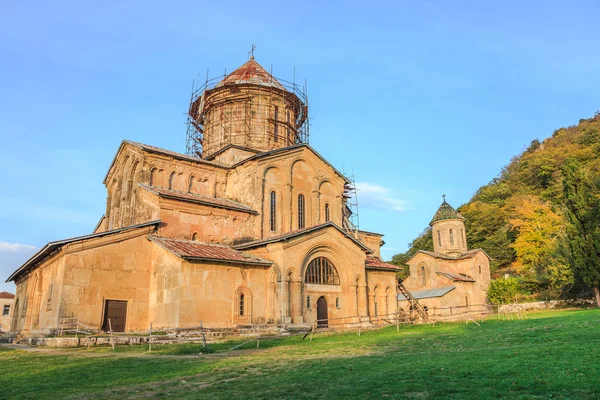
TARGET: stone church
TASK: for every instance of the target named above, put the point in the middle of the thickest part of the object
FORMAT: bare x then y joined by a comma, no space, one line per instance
451,280
251,225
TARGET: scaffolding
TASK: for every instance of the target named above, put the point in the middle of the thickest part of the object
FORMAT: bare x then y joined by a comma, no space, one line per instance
257,115
350,221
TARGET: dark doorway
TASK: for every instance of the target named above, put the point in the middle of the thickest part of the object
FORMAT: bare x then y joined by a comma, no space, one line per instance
322,313
116,311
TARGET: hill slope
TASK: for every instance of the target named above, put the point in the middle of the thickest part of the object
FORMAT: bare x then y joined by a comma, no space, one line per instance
519,218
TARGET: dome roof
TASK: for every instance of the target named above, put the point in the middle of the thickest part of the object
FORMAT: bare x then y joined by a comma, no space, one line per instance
446,211
253,73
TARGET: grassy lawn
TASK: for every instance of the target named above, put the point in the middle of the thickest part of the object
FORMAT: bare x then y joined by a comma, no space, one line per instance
550,354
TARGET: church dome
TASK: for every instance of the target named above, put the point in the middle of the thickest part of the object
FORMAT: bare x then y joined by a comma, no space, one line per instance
251,73
446,211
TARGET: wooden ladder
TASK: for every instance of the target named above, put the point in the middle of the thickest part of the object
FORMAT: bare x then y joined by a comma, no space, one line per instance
413,302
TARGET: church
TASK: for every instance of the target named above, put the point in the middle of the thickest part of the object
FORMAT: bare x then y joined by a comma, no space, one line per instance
251,225
450,281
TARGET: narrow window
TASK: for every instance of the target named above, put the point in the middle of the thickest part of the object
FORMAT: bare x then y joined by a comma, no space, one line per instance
480,270
195,236
301,221
451,238
423,278
337,302
439,238
49,302
171,178
467,301
273,215
190,184
276,123
242,298
326,212
152,176
462,237
307,301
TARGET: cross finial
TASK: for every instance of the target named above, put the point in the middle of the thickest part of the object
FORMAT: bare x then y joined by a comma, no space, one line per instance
251,52
444,197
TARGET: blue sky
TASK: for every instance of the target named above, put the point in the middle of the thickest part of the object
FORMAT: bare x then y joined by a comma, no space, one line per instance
418,98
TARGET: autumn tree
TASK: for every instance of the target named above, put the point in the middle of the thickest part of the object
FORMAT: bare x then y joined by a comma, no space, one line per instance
583,231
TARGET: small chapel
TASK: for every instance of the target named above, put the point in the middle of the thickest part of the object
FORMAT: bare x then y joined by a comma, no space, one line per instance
451,280
251,225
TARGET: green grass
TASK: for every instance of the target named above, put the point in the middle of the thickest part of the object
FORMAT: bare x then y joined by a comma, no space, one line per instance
552,354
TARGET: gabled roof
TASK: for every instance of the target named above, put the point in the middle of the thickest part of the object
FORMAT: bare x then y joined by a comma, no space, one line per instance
217,202
440,256
6,295
456,277
375,263
158,150
197,251
428,293
287,149
251,73
53,246
446,211
300,232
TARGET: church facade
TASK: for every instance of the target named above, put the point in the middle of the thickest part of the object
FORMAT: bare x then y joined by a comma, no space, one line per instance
251,226
450,281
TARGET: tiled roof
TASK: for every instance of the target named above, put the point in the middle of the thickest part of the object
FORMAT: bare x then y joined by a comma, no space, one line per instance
6,295
253,73
456,277
218,202
52,246
428,293
299,232
191,250
446,211
464,256
376,263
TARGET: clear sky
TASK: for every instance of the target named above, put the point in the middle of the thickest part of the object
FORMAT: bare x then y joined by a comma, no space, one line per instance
418,98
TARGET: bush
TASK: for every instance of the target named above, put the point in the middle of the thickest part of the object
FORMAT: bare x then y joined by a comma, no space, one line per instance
503,290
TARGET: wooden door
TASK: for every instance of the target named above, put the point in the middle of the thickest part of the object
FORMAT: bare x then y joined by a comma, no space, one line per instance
322,313
116,311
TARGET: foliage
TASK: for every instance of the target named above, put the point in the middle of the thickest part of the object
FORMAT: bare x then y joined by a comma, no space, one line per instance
530,223
503,290
583,211
555,351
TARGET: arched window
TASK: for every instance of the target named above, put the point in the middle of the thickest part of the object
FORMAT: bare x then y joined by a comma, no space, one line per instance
326,212
273,215
321,272
423,277
467,301
462,237
195,236
337,302
241,304
480,270
301,209
307,301
190,184
171,178
439,238
451,238
152,176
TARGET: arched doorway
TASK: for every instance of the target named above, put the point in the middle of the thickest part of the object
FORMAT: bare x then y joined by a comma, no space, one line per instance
322,313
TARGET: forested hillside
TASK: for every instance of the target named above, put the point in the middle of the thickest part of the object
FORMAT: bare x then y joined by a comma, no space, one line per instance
538,219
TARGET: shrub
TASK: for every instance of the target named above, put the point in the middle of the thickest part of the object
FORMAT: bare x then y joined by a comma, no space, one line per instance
503,290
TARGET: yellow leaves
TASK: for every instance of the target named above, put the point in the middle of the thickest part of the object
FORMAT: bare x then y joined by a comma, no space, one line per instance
538,226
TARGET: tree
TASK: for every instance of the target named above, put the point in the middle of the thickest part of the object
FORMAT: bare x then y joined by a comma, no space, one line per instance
583,231
539,228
